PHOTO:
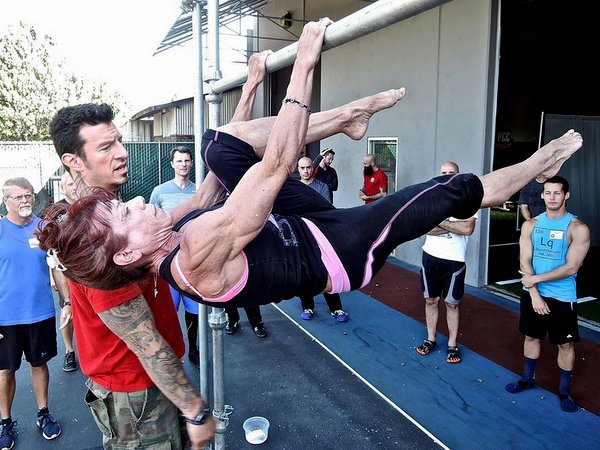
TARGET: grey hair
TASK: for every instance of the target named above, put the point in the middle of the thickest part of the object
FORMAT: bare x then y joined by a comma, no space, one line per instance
20,182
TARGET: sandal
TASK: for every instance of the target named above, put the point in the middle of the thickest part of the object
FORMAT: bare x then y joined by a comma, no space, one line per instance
453,356
426,348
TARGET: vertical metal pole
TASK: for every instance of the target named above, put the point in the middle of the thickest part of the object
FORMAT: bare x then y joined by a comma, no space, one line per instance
216,318
199,170
159,163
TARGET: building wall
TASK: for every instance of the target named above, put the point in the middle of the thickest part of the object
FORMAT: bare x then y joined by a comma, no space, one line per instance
175,122
138,130
442,57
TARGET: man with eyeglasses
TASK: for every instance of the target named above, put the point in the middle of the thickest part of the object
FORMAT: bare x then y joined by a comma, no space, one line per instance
27,321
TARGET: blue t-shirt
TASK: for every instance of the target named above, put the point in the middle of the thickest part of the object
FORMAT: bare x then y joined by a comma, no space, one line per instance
320,187
25,293
168,195
531,195
550,245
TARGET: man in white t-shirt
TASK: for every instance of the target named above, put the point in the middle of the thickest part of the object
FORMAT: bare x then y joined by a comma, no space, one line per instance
443,272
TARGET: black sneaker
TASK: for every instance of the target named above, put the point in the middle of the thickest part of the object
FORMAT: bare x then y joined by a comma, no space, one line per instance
232,327
69,365
8,435
194,357
260,331
49,426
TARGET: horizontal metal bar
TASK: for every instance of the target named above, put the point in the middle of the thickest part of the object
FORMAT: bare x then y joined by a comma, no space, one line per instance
371,18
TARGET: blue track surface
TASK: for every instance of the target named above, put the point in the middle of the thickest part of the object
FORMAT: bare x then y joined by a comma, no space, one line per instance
464,405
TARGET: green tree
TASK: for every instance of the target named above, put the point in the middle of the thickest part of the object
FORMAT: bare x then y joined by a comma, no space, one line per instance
35,82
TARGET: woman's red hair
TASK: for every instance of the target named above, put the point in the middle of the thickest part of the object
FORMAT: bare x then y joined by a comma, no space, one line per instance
85,243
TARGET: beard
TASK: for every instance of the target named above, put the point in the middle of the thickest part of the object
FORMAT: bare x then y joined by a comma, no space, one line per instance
368,171
25,212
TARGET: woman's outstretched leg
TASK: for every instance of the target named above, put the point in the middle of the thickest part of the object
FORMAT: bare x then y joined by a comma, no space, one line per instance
501,184
351,119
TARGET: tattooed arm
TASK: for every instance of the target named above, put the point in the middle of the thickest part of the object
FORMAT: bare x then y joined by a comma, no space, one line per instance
133,322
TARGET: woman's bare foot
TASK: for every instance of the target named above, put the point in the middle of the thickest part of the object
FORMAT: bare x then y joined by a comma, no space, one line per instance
351,119
257,67
559,149
362,110
311,42
500,184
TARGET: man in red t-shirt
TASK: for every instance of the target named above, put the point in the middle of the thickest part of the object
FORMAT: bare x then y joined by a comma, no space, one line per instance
129,340
375,181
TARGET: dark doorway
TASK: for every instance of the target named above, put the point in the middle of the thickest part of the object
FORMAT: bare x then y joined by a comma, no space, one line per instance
547,65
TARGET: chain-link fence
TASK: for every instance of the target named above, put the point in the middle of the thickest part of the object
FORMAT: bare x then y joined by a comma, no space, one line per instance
149,165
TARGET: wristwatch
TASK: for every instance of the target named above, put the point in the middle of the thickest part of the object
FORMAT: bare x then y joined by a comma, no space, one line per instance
200,418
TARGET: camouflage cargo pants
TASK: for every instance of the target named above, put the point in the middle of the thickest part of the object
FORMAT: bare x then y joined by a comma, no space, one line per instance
134,420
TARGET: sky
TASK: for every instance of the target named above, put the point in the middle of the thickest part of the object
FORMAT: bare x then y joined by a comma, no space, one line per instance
112,41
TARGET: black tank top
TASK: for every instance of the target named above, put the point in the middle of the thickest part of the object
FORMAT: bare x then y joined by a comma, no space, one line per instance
284,261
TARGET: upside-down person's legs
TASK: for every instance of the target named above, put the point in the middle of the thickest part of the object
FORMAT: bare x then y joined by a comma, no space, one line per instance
288,135
231,165
351,119
259,187
256,75
363,237
229,158
500,184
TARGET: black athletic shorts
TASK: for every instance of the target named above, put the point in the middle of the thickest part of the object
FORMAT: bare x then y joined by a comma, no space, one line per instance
229,158
560,325
37,341
443,278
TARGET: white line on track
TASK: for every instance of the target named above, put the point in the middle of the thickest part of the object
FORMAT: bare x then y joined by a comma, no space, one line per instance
364,380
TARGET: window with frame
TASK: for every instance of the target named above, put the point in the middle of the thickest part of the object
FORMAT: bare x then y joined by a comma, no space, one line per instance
385,150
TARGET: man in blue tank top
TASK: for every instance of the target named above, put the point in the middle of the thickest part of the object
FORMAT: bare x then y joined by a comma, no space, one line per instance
553,246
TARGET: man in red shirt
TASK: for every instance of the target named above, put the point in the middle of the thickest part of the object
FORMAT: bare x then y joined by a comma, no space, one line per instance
129,340
375,181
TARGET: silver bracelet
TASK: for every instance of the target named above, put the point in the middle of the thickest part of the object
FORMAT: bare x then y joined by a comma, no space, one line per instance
296,102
